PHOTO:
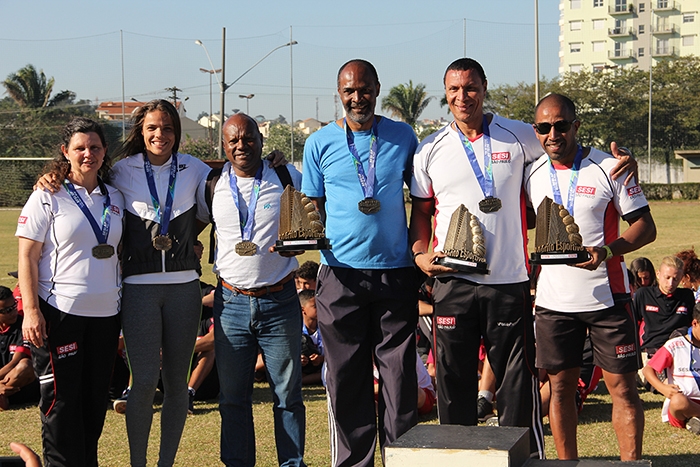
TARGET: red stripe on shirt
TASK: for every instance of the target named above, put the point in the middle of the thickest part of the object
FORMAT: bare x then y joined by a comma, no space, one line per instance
611,232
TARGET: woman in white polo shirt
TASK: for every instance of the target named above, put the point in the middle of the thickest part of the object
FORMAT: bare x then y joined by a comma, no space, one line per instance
70,280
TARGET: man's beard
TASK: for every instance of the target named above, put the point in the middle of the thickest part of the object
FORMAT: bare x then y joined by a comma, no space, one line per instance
359,117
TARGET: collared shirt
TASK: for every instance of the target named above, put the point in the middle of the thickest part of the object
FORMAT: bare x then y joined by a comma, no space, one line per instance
662,313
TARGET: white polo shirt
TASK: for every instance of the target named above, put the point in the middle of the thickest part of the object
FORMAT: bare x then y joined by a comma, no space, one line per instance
70,278
442,171
598,205
263,268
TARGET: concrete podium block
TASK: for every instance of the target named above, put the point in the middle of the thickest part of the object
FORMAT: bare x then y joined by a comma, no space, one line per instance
586,463
456,445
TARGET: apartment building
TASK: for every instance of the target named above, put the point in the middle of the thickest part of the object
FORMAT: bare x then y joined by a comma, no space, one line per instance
602,34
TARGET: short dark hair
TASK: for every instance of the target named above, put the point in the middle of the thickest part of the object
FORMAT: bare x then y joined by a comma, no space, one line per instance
465,64
134,144
359,61
306,295
60,166
307,271
561,100
5,293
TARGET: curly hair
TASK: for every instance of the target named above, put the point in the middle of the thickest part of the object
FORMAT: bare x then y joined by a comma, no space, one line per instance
60,166
134,142
691,264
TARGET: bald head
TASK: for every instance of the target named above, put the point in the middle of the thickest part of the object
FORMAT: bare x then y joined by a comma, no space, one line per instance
560,101
243,144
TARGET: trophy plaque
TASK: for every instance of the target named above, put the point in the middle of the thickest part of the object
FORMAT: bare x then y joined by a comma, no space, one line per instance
557,238
300,224
464,245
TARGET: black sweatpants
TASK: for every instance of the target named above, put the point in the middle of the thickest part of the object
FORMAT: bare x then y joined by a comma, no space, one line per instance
502,314
363,314
74,368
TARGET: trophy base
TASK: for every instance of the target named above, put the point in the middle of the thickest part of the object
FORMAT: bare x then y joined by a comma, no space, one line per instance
303,244
560,257
463,265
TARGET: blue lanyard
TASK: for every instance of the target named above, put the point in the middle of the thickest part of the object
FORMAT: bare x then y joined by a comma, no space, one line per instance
248,220
484,178
366,181
573,181
100,234
164,217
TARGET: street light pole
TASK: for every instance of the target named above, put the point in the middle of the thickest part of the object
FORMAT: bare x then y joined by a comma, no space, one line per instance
222,83
247,102
211,72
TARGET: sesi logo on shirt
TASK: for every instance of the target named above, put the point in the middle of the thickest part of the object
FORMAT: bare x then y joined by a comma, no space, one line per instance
585,191
634,191
114,209
500,157
445,322
22,220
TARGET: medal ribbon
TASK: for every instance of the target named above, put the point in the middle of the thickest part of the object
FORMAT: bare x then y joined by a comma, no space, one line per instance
100,234
366,181
164,217
484,178
249,219
573,182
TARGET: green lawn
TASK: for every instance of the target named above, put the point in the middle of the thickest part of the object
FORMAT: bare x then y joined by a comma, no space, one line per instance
677,223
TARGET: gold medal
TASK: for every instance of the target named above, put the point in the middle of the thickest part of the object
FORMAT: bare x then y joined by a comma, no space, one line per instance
103,251
369,206
246,248
162,242
490,204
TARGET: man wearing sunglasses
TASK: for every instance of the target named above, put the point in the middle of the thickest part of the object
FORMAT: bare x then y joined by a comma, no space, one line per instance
478,161
16,370
591,298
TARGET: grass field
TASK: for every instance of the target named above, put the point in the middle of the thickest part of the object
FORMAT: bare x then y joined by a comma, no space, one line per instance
664,445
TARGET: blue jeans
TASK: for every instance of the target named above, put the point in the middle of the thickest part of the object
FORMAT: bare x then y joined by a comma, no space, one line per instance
241,324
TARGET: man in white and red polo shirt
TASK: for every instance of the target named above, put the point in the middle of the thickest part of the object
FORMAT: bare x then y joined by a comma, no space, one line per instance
593,297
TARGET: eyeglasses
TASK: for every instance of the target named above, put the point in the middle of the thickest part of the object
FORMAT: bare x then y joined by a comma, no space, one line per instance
9,309
562,126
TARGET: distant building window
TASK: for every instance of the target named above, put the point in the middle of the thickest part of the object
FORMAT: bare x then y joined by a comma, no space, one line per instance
598,24
620,5
575,68
661,3
598,46
689,17
576,25
575,4
640,52
575,47
597,3
641,29
688,41
641,8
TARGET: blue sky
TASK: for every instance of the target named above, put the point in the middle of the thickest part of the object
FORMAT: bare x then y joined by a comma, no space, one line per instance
78,43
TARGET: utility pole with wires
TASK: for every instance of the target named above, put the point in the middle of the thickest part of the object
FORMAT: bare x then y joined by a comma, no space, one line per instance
174,90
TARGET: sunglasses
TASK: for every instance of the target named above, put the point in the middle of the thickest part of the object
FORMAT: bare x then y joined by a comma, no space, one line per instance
562,126
9,309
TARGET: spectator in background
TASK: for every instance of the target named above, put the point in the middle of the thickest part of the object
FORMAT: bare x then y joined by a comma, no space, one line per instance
311,341
305,276
643,273
679,355
691,271
18,384
665,307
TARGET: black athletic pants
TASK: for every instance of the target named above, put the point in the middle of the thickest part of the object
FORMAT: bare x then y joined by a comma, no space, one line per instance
364,314
74,368
502,314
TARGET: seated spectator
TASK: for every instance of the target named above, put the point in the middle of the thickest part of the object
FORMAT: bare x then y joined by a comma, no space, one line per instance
691,271
643,273
663,308
18,383
311,341
305,276
680,357
426,390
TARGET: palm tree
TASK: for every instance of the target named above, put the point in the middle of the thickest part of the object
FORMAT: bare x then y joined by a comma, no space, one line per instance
29,88
407,102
